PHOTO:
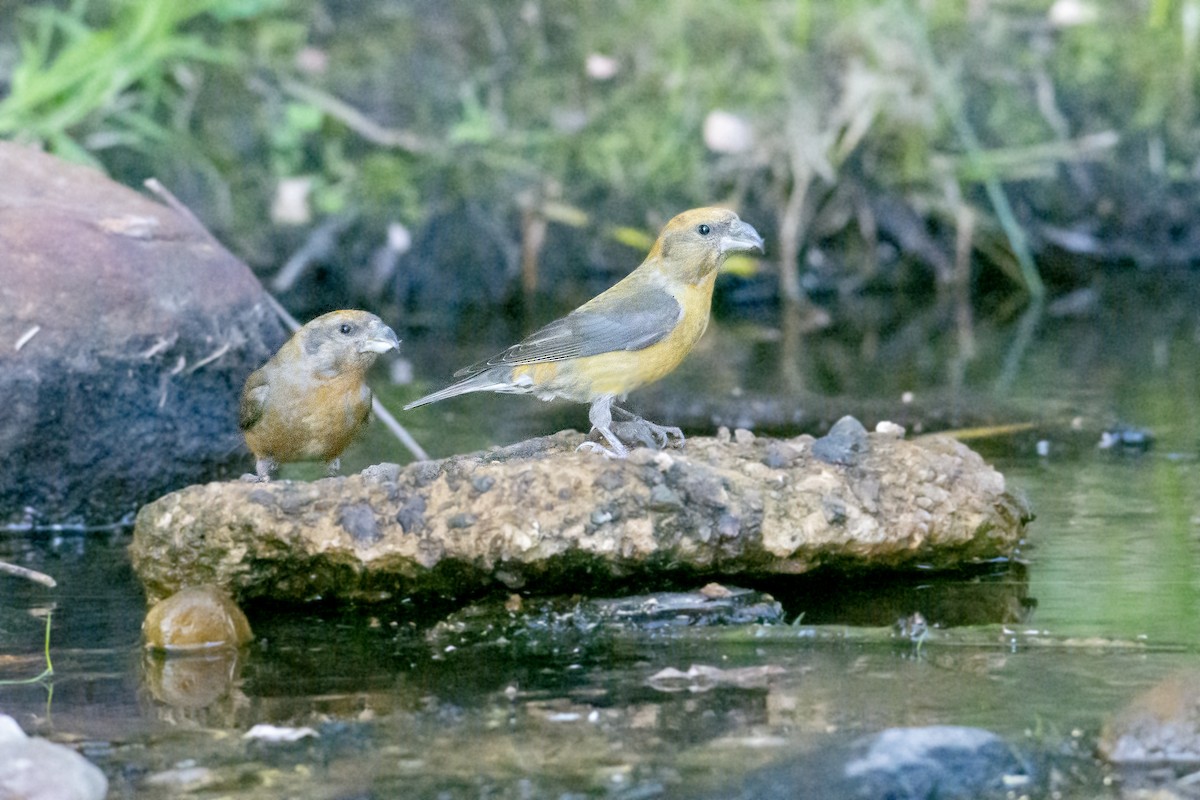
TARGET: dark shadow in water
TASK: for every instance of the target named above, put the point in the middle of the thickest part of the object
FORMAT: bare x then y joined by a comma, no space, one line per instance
994,594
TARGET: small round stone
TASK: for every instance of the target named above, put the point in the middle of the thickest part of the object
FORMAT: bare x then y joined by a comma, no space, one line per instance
196,618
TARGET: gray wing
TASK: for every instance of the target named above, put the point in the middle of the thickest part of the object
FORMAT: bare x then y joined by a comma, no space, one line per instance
254,400
630,321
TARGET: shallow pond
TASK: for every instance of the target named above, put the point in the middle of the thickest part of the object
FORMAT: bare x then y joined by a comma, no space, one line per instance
1105,605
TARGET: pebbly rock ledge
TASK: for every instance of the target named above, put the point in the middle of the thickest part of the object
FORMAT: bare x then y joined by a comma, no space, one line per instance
540,516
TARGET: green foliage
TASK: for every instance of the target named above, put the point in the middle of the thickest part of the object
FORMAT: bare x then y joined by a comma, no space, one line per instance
595,104
80,89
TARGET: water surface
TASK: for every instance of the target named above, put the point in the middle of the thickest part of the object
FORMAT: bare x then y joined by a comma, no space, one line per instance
1105,604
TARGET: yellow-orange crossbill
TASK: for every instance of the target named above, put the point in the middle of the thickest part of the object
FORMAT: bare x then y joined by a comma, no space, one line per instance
632,334
310,400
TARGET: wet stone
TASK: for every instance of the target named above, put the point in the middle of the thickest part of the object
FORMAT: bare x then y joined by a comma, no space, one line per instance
779,456
383,473
425,472
663,498
1126,439
728,526
946,762
36,769
195,619
845,444
412,515
462,521
1159,726
610,480
834,509
359,521
566,624
706,489
291,501
547,522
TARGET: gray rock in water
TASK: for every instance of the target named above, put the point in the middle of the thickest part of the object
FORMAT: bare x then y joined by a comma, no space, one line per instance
938,762
845,444
947,762
35,769
125,336
1159,726
542,517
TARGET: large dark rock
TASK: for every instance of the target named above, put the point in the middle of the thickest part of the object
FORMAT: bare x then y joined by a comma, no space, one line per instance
544,518
125,336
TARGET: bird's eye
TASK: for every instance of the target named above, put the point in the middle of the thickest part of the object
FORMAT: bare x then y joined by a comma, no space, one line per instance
704,230
346,328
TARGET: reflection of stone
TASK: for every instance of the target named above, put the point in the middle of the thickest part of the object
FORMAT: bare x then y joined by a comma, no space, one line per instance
945,600
542,517
192,659
192,681
35,769
196,618
571,624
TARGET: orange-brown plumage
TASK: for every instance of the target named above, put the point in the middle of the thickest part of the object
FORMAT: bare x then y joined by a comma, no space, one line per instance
310,400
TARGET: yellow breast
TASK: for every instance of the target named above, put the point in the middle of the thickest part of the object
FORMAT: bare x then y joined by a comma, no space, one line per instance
621,371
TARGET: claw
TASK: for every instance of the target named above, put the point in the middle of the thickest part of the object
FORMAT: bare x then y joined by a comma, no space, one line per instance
263,468
661,435
596,447
664,433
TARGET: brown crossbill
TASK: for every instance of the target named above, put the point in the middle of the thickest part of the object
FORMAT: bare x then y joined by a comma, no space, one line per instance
630,335
310,400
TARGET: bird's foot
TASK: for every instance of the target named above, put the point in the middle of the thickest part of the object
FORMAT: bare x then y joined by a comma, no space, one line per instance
647,432
250,477
334,467
616,448
662,434
263,468
596,447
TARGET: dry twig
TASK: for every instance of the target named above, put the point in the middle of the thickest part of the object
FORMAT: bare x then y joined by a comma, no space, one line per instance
29,574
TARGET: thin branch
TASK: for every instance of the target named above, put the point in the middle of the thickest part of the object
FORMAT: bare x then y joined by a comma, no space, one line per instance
356,120
29,574
176,205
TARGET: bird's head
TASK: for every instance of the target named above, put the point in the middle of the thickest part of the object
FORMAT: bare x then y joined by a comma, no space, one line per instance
696,242
343,340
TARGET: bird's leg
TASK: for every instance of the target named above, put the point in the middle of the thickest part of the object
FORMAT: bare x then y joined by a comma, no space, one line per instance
263,468
662,433
600,415
333,467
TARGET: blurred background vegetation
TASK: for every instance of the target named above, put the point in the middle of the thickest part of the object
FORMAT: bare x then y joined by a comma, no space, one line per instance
430,158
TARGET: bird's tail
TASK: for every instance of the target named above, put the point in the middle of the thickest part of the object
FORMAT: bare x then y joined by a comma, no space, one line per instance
487,381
